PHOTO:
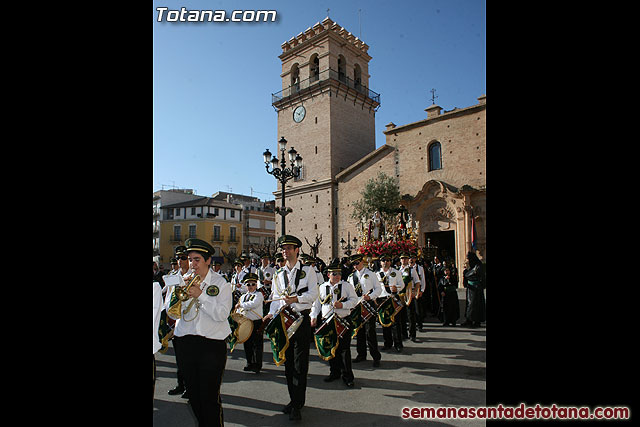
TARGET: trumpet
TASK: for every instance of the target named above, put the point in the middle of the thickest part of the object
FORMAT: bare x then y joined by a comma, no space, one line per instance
183,295
182,291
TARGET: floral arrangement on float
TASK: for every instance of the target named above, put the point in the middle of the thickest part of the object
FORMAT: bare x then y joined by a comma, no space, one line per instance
378,238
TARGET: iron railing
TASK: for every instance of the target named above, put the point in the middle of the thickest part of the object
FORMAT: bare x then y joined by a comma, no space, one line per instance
323,76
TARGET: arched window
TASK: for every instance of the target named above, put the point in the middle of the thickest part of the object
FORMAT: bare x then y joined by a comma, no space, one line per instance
342,68
314,75
295,79
357,77
435,156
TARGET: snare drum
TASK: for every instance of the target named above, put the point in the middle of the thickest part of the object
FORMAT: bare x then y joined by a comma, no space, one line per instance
342,326
244,329
368,310
292,320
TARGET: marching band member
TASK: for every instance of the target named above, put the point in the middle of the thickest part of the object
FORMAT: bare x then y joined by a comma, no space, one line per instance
391,280
366,285
339,297
203,350
182,266
250,305
157,311
265,274
409,275
297,286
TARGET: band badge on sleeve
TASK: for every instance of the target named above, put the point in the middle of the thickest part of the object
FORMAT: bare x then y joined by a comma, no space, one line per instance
213,290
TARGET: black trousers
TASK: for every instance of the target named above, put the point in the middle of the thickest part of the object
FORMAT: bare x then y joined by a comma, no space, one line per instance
296,364
413,316
202,362
176,350
340,365
393,334
367,336
253,346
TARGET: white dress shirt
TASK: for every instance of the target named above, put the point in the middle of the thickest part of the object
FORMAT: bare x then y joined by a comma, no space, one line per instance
214,307
251,305
282,286
328,293
394,278
368,282
157,310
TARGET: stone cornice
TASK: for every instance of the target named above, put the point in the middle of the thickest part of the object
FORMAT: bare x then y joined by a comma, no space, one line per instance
319,30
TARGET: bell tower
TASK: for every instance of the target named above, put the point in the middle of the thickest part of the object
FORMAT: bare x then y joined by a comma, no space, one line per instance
326,111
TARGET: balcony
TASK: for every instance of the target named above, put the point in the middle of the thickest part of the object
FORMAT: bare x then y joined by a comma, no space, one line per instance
310,83
175,238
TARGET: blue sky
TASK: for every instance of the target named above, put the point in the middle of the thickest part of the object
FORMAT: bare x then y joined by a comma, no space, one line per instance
212,81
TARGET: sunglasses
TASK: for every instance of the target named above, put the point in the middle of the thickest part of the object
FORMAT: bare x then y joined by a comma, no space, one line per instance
182,257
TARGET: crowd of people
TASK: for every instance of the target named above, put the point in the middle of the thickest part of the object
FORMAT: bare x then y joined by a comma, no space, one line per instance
293,302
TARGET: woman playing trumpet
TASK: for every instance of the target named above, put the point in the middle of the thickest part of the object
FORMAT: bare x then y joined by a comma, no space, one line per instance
203,350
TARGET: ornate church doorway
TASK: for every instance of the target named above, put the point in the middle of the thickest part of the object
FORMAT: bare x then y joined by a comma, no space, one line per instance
446,243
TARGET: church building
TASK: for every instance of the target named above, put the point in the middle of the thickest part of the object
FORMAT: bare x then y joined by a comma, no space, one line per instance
326,111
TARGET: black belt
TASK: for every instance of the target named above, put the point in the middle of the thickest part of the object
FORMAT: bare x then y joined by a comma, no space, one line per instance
305,312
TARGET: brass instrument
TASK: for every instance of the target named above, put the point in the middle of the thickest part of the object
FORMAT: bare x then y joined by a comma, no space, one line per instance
182,293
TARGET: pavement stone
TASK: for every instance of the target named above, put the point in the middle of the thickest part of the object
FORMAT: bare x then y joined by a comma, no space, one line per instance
446,368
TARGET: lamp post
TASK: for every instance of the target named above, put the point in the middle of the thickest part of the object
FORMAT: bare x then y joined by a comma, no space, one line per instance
282,173
346,246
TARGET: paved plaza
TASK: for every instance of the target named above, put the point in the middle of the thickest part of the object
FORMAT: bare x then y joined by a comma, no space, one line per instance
446,368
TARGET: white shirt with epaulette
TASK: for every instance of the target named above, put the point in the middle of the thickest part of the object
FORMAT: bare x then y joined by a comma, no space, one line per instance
328,294
251,305
214,308
393,278
306,291
368,282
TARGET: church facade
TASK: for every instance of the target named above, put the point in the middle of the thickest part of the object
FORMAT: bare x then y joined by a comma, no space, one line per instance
326,111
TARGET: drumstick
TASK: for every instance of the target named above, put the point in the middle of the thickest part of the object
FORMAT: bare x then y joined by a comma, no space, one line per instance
275,299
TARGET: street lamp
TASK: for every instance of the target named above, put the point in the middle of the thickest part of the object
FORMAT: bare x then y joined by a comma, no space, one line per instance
346,246
282,173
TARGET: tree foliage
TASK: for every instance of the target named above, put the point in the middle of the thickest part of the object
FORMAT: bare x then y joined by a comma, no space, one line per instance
380,194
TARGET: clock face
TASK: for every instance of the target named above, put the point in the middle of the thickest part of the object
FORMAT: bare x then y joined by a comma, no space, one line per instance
298,114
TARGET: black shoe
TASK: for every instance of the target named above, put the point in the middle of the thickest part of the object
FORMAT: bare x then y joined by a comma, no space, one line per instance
295,414
287,408
331,378
398,349
358,359
414,339
376,363
185,395
349,383
178,390
420,329
386,347
247,368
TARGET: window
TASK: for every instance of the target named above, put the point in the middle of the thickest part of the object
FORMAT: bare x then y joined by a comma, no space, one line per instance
435,156
295,79
357,77
177,233
314,68
216,212
216,233
193,211
177,212
342,67
301,173
192,231
232,213
232,234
